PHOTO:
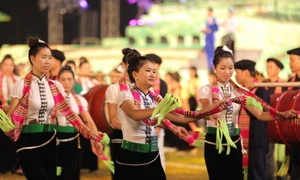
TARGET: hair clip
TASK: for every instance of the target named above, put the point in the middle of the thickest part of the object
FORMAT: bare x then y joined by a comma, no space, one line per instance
41,41
225,48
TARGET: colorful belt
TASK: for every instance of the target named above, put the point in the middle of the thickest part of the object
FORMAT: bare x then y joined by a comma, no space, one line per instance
66,129
143,148
38,128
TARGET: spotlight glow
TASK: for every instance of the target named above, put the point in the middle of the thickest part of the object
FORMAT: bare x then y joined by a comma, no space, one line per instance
83,4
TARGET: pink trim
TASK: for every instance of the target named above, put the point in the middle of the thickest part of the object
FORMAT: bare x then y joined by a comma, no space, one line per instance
215,90
136,95
123,87
191,140
167,123
179,111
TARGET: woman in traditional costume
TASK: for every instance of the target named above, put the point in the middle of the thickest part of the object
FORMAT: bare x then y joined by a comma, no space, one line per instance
33,99
111,99
139,153
68,140
86,82
7,80
228,164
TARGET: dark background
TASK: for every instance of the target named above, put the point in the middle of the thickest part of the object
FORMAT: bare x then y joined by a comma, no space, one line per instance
28,20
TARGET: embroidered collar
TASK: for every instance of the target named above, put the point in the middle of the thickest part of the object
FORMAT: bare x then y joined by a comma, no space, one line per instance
221,85
37,79
141,92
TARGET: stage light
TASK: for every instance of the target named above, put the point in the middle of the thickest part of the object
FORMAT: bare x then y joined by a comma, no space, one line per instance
140,22
132,22
83,4
132,1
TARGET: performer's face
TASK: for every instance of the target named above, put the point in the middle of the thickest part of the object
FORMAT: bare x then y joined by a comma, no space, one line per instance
146,75
294,63
224,69
67,81
41,62
272,69
7,66
85,68
240,76
72,66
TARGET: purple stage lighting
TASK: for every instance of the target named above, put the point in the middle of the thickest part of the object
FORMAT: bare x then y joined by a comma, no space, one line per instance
132,22
131,1
83,4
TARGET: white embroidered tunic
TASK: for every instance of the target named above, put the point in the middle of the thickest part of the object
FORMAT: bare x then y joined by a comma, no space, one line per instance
205,92
35,101
112,94
7,85
135,131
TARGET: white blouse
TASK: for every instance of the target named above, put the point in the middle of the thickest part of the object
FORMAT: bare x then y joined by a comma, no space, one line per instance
35,99
61,119
87,83
7,85
205,92
111,96
135,131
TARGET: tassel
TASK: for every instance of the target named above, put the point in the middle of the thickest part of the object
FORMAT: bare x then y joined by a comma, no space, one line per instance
160,105
6,124
168,107
110,165
105,139
245,173
222,129
284,167
58,170
219,138
198,138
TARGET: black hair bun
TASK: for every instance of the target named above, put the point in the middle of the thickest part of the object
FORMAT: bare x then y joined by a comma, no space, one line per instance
126,51
133,57
32,41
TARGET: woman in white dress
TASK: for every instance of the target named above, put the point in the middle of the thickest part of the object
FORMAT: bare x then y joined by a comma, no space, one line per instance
68,140
33,99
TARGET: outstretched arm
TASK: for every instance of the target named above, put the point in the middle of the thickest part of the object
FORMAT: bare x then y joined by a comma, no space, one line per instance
136,114
184,119
265,116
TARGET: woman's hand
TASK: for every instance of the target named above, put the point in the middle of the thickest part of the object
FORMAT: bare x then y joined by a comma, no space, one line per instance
97,148
290,113
181,131
5,108
226,100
